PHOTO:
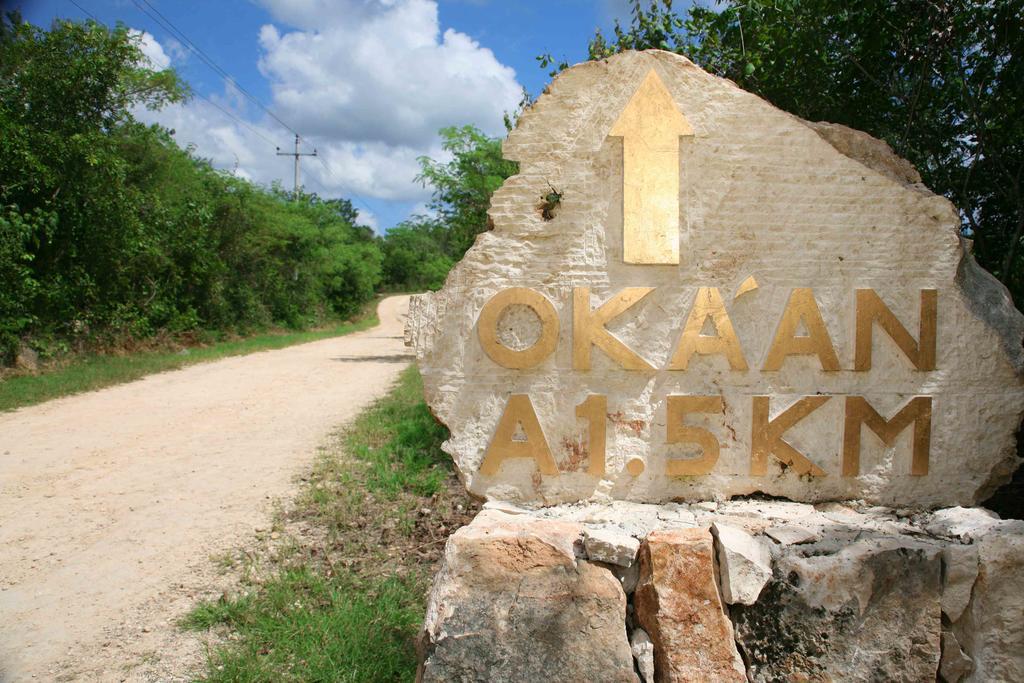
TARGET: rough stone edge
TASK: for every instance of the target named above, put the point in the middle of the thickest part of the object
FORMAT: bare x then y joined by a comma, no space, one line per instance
983,295
987,298
425,646
862,147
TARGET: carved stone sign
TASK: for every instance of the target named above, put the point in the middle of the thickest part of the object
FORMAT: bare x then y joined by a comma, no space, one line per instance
726,300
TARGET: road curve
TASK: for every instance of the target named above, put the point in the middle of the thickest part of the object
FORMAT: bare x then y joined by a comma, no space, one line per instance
111,500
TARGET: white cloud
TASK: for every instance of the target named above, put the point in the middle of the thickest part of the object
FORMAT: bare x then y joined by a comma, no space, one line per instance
178,52
373,170
367,82
376,169
367,218
423,209
216,136
152,50
370,71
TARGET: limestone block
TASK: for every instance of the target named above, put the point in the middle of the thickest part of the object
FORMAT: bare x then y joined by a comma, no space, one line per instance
876,596
513,603
769,206
677,603
846,609
959,572
634,519
609,545
643,653
954,664
744,564
791,534
991,628
506,507
962,523
873,153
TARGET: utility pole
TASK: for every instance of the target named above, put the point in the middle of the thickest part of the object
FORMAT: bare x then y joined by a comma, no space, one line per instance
296,154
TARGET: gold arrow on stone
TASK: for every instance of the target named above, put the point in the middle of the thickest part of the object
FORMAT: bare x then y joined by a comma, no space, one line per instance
650,127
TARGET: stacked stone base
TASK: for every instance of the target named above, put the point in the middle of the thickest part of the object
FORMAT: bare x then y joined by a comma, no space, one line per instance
742,590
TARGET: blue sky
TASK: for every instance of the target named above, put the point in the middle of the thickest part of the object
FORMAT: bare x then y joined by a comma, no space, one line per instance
367,82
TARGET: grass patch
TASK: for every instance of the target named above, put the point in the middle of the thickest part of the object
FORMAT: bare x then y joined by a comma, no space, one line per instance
341,595
95,371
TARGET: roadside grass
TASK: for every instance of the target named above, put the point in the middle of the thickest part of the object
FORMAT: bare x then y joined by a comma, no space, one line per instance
96,371
340,595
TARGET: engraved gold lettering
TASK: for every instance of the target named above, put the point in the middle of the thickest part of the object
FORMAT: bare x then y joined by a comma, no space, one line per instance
677,408
708,304
766,436
918,411
595,411
871,309
650,127
518,412
487,328
802,307
588,328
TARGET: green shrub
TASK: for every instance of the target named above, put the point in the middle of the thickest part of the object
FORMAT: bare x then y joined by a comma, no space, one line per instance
109,232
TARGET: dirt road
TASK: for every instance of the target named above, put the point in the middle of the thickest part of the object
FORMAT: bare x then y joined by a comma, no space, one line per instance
112,502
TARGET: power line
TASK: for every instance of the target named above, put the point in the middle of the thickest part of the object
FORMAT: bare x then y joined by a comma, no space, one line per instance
298,155
170,27
327,192
85,11
316,182
236,118
227,112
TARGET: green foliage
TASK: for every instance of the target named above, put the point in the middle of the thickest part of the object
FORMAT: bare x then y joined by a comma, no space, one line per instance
19,284
939,81
94,371
109,232
398,439
419,253
306,627
343,600
464,185
415,257
212,613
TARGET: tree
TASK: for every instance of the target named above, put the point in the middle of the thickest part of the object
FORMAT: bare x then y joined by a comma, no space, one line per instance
414,257
109,232
464,185
419,252
66,207
939,80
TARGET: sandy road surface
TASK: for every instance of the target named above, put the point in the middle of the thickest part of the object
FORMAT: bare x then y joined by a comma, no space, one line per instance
111,501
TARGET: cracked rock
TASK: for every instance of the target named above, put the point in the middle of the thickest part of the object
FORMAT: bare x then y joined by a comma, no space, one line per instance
865,611
954,664
959,571
643,653
789,534
513,603
677,604
872,599
962,523
744,564
611,546
991,628
627,576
